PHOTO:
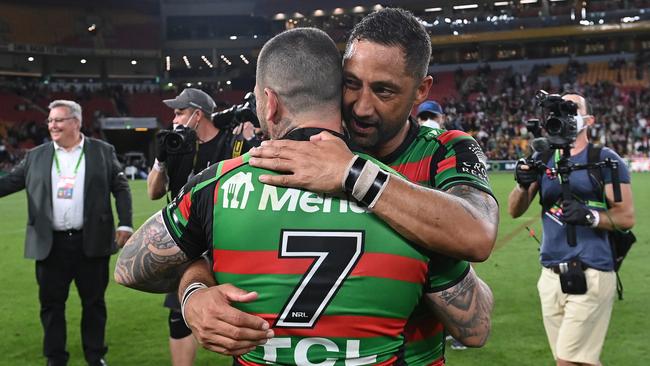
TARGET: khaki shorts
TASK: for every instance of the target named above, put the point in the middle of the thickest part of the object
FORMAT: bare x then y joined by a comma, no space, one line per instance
576,325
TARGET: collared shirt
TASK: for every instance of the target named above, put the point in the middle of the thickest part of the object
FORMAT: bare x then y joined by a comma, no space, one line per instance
68,213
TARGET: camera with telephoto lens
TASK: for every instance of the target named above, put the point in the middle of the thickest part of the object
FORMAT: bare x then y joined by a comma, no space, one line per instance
231,117
558,120
561,128
181,140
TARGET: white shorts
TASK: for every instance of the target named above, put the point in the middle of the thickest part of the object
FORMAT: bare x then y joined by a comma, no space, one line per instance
576,325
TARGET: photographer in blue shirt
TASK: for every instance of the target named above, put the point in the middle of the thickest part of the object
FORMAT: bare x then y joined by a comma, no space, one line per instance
577,285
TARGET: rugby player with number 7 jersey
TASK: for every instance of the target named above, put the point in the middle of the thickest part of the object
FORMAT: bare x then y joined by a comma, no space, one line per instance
336,284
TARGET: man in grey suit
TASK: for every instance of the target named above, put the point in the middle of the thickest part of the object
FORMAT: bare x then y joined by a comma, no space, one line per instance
70,231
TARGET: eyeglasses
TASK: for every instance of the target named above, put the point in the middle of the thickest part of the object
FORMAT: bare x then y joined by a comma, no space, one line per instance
58,120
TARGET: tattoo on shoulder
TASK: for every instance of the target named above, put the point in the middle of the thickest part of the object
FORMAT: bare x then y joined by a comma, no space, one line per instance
150,260
479,204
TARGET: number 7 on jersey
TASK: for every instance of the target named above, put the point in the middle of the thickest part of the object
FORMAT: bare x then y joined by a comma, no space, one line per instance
336,254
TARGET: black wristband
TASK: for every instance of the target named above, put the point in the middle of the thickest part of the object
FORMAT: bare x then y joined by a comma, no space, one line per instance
353,174
365,181
375,189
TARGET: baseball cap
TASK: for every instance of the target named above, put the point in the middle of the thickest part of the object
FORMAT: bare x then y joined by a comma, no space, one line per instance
194,98
430,106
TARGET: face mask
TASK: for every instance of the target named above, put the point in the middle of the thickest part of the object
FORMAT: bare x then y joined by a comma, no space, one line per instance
189,120
430,123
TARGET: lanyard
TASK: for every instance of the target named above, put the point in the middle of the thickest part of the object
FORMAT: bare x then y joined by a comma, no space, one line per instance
76,168
557,159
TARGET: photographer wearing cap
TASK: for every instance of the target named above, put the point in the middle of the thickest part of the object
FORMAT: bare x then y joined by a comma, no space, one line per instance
577,285
430,114
201,143
193,144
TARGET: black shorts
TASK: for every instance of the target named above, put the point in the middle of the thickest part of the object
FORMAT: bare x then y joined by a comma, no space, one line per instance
177,327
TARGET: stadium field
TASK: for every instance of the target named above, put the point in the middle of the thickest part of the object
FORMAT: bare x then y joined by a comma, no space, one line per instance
137,323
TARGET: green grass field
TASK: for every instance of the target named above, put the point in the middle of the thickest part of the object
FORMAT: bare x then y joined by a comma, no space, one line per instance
137,323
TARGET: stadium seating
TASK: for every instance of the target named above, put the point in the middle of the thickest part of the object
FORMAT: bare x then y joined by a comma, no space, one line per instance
19,109
492,104
444,86
68,26
150,105
625,76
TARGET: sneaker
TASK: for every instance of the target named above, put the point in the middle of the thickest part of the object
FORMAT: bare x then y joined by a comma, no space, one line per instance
457,346
449,338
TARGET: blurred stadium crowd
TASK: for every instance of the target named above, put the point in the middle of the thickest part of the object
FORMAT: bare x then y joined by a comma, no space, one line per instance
492,105
492,98
497,103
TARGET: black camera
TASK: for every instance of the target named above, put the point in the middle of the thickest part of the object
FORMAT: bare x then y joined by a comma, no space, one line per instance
231,117
559,120
181,140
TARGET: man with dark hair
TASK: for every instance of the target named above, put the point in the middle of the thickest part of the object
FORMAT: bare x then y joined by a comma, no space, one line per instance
397,28
379,91
289,75
324,280
378,94
384,77
576,320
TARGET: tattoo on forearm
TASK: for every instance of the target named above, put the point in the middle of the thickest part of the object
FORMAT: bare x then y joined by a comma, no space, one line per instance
151,261
467,307
479,204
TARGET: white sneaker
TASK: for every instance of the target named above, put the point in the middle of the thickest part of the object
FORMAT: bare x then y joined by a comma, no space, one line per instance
457,346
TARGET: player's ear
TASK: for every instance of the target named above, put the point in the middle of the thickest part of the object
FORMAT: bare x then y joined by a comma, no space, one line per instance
422,92
272,106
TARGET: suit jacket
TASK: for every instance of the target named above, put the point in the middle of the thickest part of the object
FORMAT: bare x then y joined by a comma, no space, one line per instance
103,176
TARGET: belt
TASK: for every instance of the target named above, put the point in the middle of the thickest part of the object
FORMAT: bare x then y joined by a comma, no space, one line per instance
70,232
556,268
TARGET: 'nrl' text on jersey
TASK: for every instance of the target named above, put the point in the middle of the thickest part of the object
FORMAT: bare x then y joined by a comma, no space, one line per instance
335,282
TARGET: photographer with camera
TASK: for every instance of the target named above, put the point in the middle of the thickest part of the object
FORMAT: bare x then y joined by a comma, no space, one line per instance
194,143
577,285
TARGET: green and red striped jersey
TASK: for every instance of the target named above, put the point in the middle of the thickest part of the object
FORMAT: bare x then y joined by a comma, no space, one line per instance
336,283
439,159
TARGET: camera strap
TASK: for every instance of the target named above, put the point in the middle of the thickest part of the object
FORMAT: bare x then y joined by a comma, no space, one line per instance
595,175
593,156
544,157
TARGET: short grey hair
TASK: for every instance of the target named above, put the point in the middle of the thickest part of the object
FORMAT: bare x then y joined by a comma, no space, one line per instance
303,66
73,107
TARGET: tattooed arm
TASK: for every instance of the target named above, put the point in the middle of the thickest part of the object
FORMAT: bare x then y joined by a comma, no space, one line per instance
151,261
465,309
434,218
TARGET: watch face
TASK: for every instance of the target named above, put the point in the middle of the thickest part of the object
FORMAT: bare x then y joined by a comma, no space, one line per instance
590,218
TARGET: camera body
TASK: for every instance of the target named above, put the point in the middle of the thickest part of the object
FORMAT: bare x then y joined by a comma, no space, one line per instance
181,140
558,120
231,117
